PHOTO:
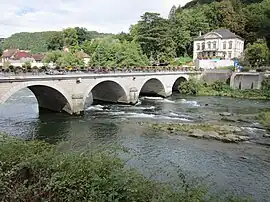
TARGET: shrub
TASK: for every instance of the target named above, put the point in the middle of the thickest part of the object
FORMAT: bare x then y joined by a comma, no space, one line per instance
220,86
266,84
246,69
11,67
190,87
37,171
264,118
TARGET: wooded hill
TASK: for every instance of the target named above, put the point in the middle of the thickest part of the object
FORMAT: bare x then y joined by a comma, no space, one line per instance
201,2
37,41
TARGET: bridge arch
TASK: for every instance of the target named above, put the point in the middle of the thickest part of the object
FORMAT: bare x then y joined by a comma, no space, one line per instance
49,96
153,87
175,87
108,91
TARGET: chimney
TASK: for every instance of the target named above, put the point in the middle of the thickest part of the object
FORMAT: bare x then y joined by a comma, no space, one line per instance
200,33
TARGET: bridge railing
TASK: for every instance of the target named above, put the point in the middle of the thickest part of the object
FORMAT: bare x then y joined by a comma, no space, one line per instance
93,71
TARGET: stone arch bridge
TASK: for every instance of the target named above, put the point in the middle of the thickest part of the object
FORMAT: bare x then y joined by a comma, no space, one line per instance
68,93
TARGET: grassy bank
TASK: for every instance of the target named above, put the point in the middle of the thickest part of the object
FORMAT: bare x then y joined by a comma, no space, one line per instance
264,118
37,171
219,88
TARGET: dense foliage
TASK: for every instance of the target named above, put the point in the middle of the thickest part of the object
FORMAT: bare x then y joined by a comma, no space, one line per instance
190,87
110,52
37,171
257,54
36,42
44,41
220,88
64,59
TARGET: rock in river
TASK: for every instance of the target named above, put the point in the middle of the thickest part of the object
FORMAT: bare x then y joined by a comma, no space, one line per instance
266,135
228,128
225,114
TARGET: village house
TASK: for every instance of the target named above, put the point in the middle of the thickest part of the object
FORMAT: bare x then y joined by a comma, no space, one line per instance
81,54
220,44
18,57
84,56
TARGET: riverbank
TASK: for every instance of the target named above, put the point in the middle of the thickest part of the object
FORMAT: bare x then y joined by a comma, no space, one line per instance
220,88
264,118
34,170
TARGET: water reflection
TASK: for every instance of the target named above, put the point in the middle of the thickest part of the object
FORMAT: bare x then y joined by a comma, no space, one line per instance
53,129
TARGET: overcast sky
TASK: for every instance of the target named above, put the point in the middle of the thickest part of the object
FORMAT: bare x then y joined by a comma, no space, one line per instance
111,16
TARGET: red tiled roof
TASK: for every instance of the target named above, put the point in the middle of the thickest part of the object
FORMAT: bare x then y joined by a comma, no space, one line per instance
21,54
38,57
8,53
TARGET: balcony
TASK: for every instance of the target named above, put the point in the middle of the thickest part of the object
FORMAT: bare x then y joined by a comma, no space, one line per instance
210,49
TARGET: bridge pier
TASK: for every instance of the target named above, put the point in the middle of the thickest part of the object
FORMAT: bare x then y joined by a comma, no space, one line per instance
77,104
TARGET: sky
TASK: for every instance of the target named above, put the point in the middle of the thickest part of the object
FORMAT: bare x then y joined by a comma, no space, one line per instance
110,16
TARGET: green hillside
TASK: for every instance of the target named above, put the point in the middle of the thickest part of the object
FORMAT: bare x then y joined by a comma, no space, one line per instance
201,2
37,41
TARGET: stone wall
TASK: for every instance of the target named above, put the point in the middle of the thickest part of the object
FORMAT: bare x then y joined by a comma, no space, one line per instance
247,80
213,64
210,76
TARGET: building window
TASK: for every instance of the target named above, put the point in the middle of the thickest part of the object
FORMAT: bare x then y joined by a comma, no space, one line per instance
203,46
198,46
224,45
209,45
230,55
214,54
230,45
214,45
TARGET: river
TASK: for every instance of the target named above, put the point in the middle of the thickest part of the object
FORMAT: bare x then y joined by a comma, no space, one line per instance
238,168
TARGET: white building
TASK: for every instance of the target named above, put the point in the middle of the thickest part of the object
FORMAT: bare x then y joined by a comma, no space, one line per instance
220,43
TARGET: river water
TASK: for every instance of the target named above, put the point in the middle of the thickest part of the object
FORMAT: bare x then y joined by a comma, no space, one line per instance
238,168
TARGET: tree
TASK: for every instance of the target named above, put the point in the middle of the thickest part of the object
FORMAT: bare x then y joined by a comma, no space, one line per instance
70,37
83,35
265,23
124,37
70,60
172,12
111,52
224,14
89,47
52,57
257,19
257,54
154,37
56,41
185,27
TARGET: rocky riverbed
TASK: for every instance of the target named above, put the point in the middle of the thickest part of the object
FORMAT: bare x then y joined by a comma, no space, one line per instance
225,132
